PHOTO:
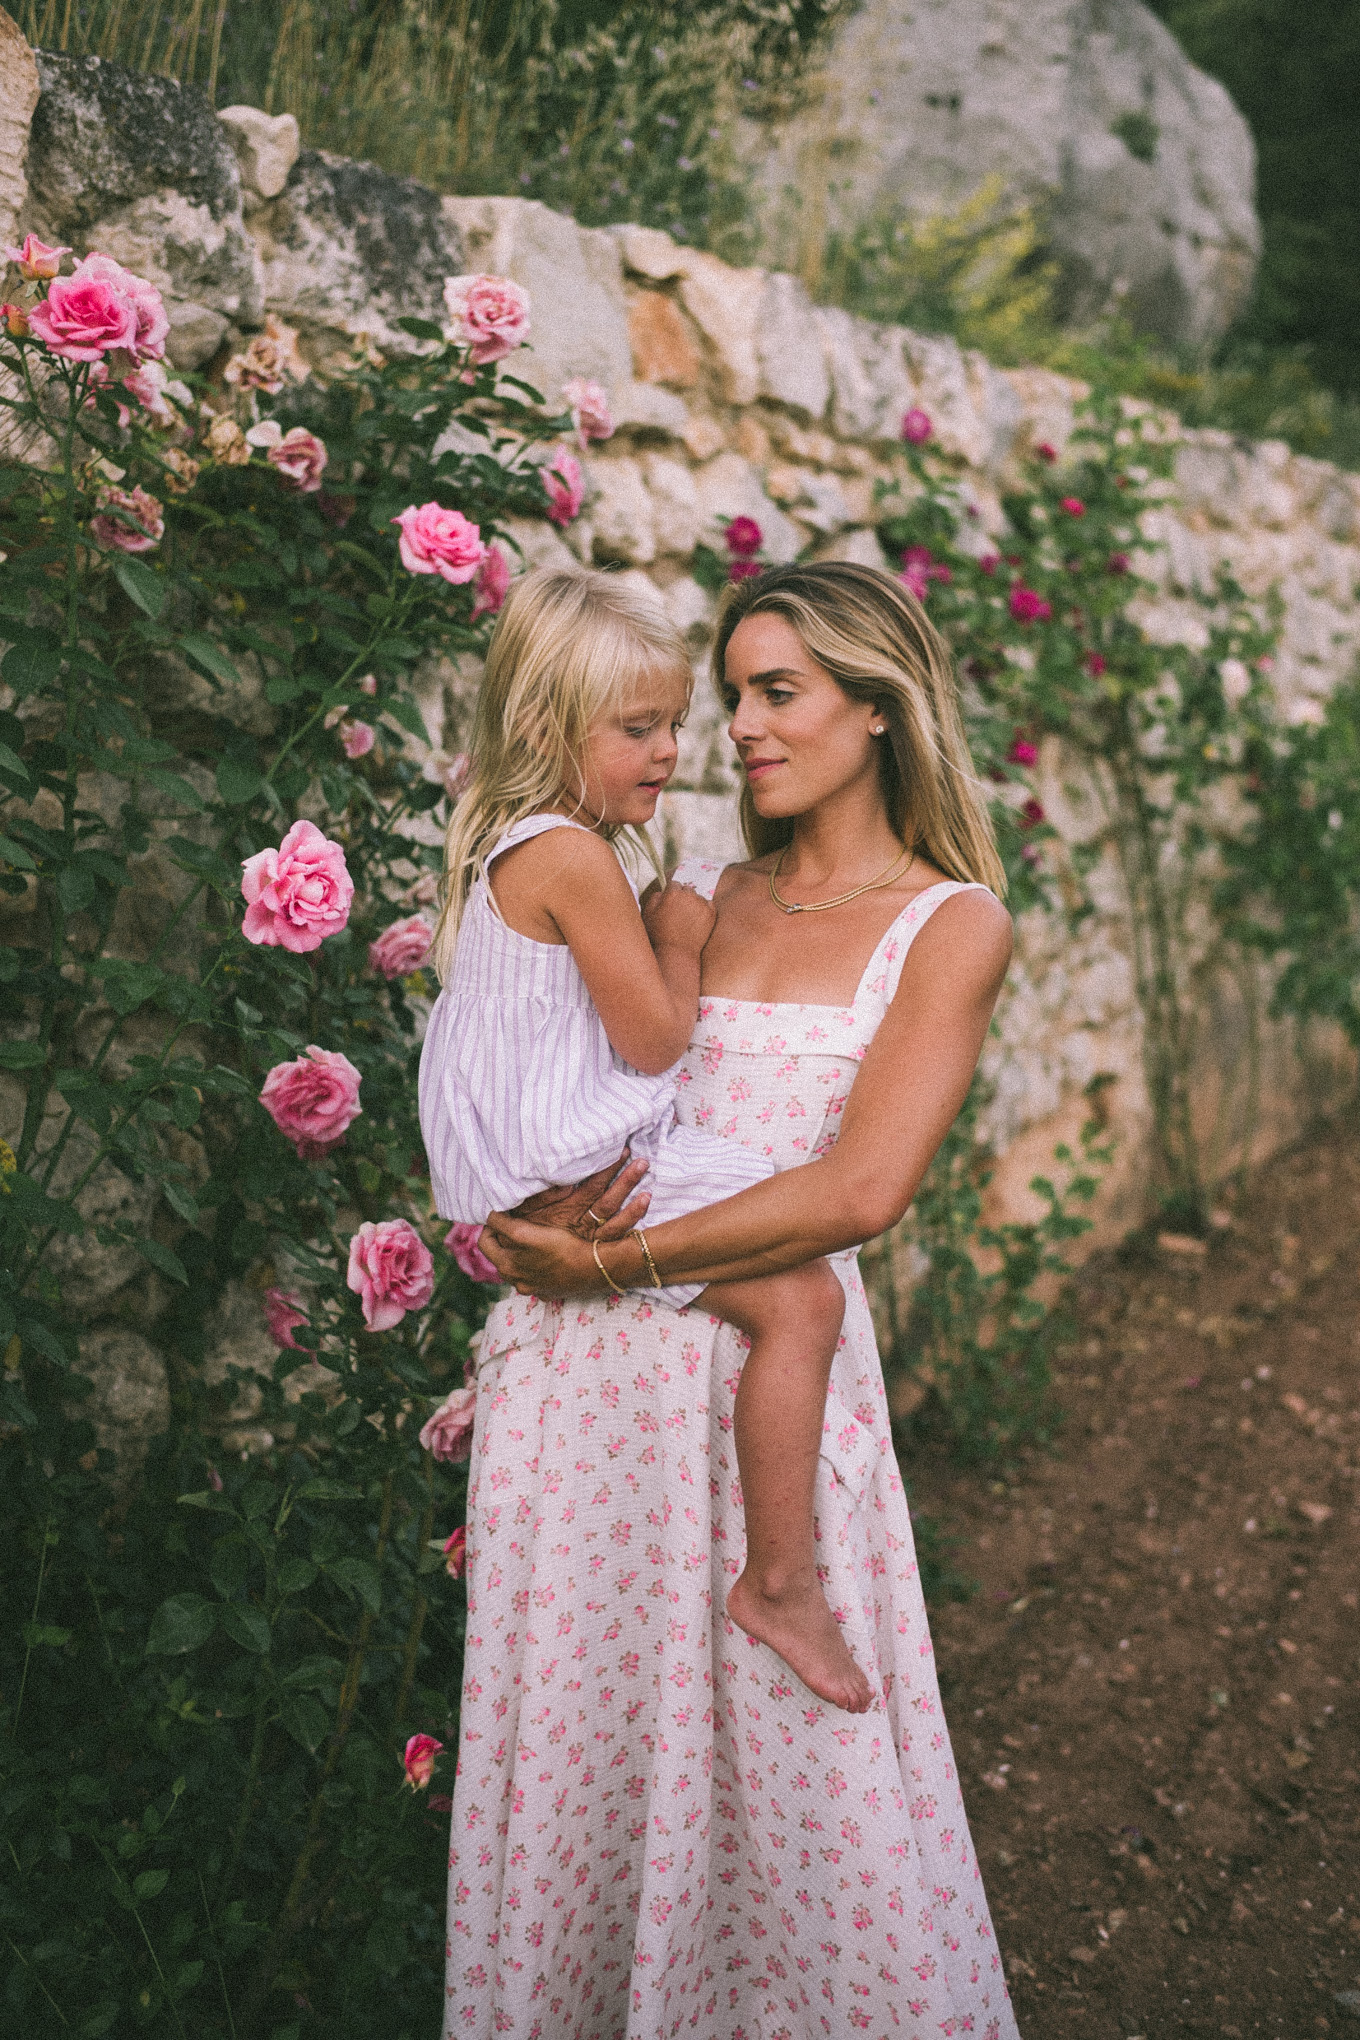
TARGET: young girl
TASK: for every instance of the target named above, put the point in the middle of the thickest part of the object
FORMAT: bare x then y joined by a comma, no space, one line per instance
550,1048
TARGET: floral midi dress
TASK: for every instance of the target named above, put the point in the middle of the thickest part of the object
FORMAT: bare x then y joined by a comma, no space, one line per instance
657,1830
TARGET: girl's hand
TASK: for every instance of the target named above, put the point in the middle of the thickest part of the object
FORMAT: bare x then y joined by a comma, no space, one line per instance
678,919
608,1195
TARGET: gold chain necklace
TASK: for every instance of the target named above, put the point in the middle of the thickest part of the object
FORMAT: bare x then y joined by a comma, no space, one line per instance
821,906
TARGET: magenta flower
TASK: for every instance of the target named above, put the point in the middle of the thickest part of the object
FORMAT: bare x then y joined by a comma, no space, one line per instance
1074,506
298,894
489,315
744,570
990,562
1094,662
744,537
83,318
283,1312
300,458
439,541
421,1752
492,583
401,948
357,737
1027,607
1043,451
566,486
461,1241
455,1553
916,427
1118,563
391,1271
1023,752
127,520
313,1101
589,407
1031,814
448,1434
35,259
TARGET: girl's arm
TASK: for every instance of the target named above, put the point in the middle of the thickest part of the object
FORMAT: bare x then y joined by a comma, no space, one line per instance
645,992
906,1095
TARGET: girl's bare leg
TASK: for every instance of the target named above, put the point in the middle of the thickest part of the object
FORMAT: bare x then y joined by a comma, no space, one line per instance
793,1322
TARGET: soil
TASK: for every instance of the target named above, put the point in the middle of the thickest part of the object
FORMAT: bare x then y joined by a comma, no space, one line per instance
1153,1690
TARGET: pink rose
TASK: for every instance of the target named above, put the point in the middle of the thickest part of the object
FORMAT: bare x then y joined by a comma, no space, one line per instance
391,1271
127,520
1023,752
357,738
283,1312
298,894
1027,607
300,458
493,581
421,1752
461,1241
448,1434
916,427
1074,506
455,1553
489,315
35,259
589,407
83,318
566,486
439,541
401,948
744,537
313,1100
148,307
147,384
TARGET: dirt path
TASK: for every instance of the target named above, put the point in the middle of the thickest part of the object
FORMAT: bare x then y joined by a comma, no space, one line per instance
1154,1693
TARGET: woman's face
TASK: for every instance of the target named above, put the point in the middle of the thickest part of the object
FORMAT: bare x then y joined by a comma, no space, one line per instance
800,738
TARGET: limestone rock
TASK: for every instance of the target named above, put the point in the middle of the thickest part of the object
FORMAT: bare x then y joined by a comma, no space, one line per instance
18,97
266,144
872,387
130,1402
726,305
347,249
1087,109
647,251
621,514
574,277
675,504
140,168
792,360
729,487
643,407
663,351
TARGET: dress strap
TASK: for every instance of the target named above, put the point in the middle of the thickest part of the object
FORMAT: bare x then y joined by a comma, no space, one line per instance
699,874
528,826
883,971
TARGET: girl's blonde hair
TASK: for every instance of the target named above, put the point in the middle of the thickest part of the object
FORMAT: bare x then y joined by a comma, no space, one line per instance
877,643
571,645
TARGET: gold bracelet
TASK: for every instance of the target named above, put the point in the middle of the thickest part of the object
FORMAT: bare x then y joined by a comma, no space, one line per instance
638,1235
594,1248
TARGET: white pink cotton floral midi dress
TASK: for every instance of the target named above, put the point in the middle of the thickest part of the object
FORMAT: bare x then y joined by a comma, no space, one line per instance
657,1830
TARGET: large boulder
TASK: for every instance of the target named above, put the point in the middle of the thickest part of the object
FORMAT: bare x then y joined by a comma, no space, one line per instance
1088,110
140,168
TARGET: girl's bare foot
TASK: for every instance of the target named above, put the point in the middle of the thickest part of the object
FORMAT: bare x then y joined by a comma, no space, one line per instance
794,1620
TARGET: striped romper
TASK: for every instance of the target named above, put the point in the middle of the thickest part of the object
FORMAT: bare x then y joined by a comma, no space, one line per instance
520,1089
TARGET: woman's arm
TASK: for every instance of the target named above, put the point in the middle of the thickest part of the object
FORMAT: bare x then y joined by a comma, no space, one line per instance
906,1096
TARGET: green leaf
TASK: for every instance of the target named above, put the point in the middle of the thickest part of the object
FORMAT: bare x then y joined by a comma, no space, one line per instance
177,788
129,985
10,761
15,854
36,1633
151,1884
238,781
404,711
420,329
142,585
75,887
162,1258
207,1498
324,1490
178,1198
306,1721
31,661
311,1673
246,1625
21,1055
181,1624
210,657
358,1576
295,1574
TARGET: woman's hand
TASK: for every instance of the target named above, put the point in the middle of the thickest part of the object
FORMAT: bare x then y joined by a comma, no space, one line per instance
543,1247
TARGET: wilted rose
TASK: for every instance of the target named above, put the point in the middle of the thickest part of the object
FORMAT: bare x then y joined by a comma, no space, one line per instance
227,442
447,1435
148,385
566,486
283,1313
401,948
455,1553
300,458
298,894
127,520
16,321
589,407
313,1100
421,1752
439,541
391,1271
493,582
489,315
181,470
36,260
270,360
357,737
461,1241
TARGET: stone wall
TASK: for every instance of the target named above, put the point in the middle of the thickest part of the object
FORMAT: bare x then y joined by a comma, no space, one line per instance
733,394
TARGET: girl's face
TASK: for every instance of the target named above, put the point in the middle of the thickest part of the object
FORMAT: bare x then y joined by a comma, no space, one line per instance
630,755
800,737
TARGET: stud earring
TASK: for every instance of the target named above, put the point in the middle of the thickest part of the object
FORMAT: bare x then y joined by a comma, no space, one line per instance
877,731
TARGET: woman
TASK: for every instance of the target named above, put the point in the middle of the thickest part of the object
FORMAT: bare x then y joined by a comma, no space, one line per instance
657,1829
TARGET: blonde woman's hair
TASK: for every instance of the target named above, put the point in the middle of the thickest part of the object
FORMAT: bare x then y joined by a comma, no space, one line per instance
878,645
570,645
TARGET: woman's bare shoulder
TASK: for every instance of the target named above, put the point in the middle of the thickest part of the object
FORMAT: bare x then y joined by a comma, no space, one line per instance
971,930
